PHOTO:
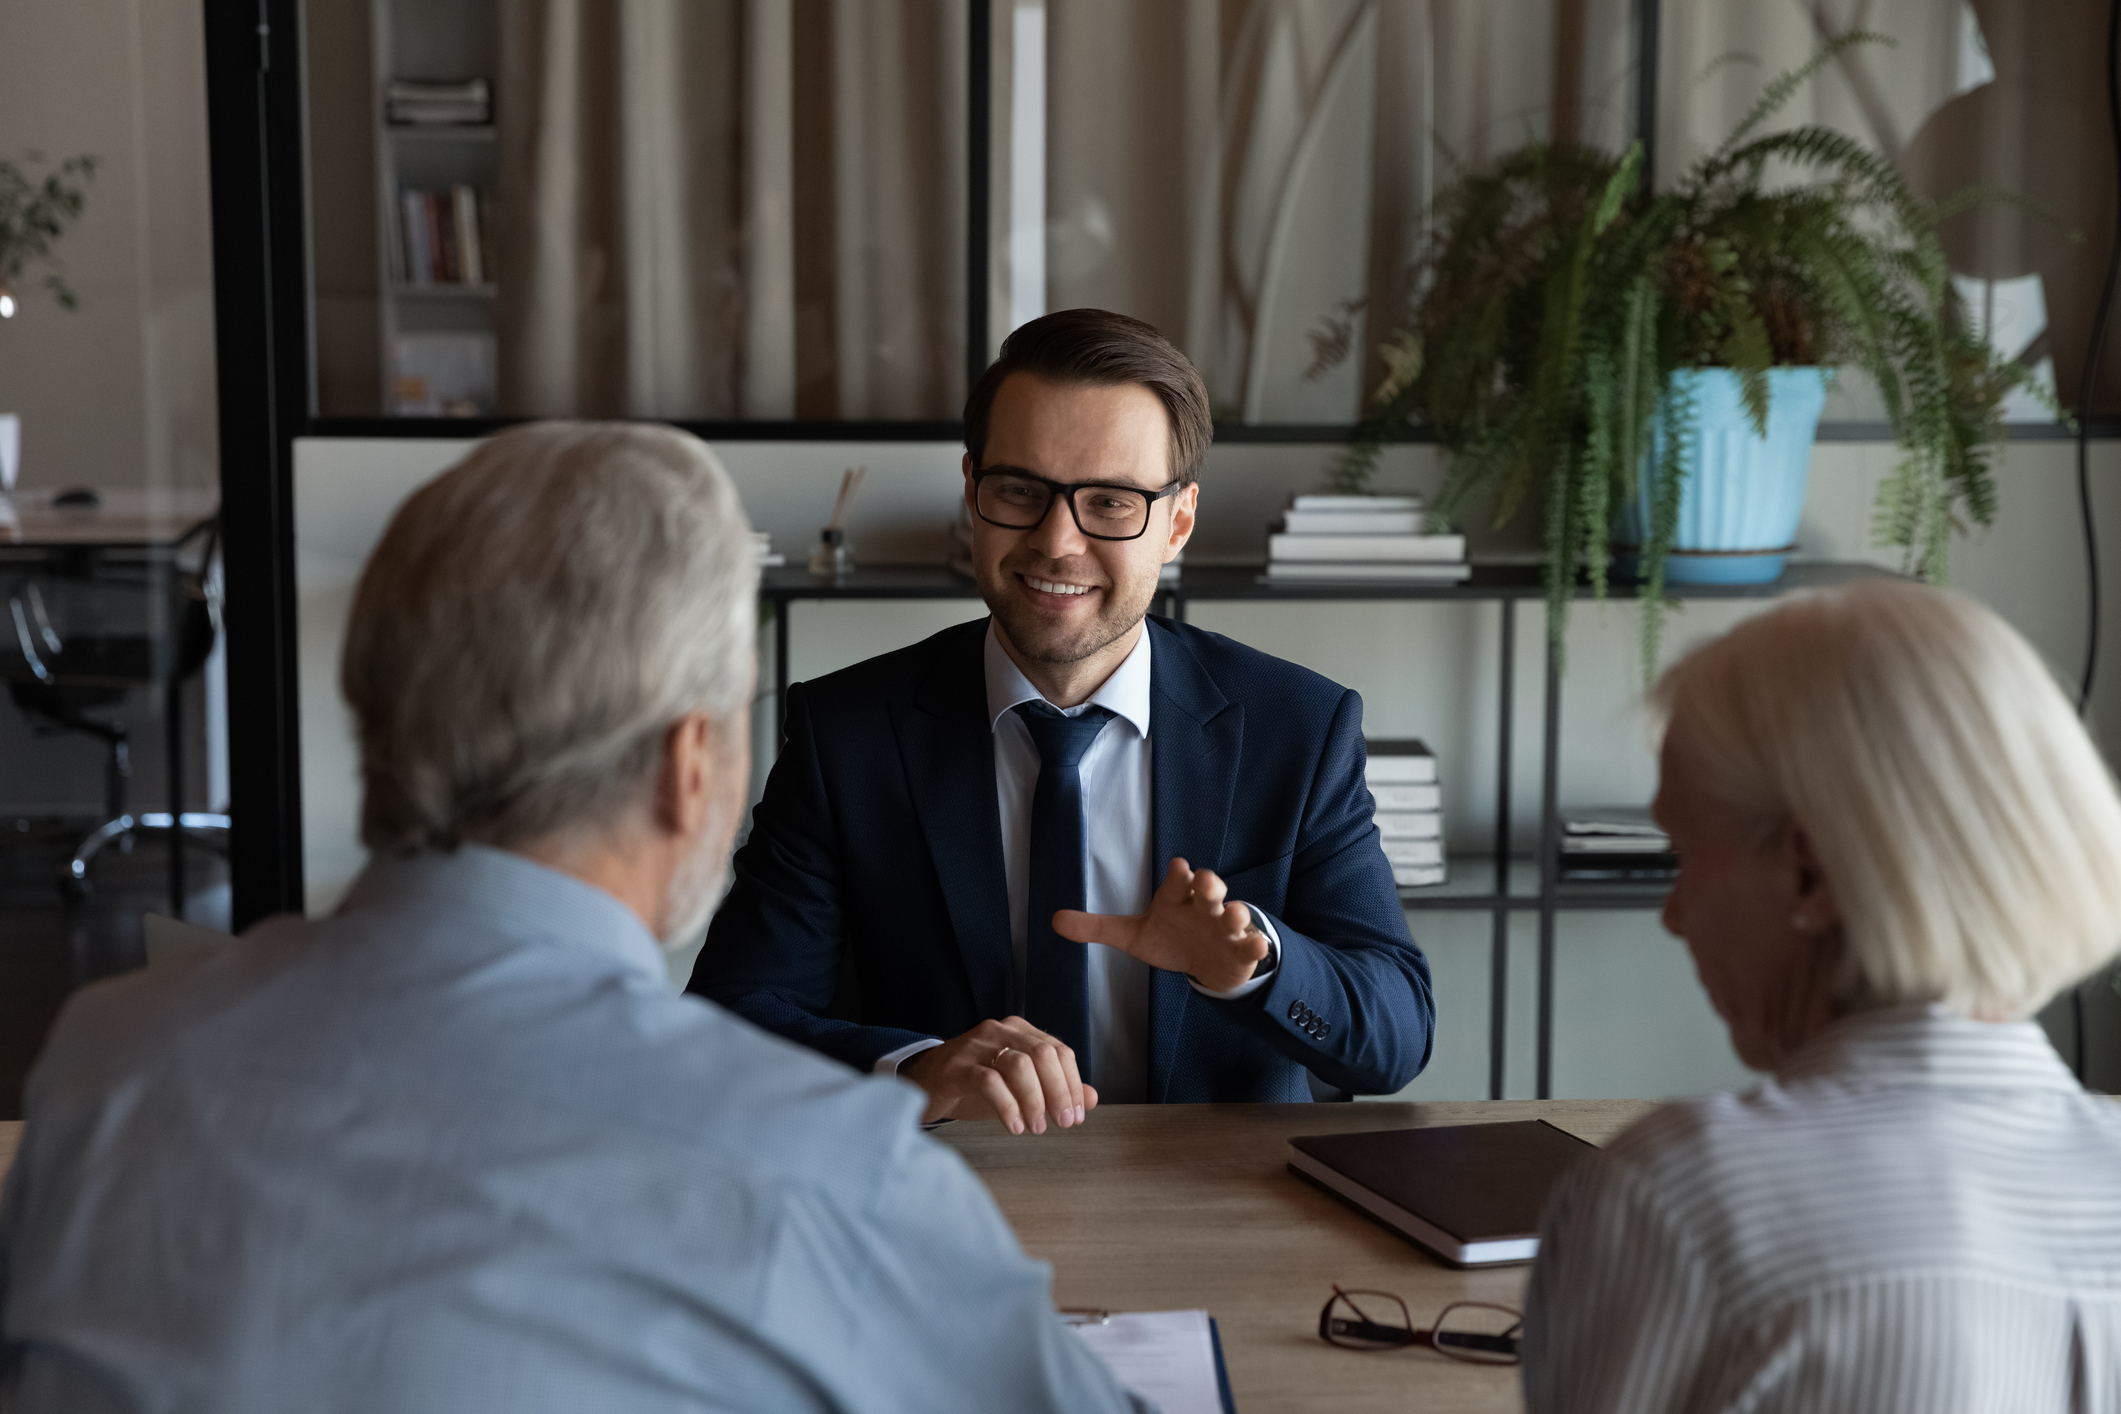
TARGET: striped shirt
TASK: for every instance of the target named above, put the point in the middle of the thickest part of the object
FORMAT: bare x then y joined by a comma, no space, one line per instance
1921,1213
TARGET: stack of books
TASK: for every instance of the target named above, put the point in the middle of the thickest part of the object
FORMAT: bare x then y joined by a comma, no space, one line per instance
421,103
1615,842
1362,537
769,558
1402,779
441,237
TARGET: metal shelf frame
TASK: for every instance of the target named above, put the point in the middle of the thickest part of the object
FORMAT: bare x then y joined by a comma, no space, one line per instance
1505,586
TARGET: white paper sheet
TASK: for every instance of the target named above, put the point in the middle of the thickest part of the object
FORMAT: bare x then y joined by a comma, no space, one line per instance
1166,1357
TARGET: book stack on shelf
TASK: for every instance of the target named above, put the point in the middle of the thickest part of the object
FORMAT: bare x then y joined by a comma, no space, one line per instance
961,551
441,237
1363,538
1402,779
425,103
769,558
1615,842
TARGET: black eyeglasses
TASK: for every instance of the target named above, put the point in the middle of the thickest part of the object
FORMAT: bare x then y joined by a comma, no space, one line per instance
1014,499
1478,1332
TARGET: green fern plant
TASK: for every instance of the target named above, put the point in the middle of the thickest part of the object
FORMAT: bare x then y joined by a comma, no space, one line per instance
1557,295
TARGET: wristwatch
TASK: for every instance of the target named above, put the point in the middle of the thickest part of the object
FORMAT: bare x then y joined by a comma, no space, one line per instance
1272,960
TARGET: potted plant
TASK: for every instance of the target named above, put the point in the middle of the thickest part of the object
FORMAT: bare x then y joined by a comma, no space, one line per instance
34,214
1648,367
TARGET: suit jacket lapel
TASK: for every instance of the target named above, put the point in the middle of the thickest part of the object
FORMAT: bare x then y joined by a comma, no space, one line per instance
947,746
1196,735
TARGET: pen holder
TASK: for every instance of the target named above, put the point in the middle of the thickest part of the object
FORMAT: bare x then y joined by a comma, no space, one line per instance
832,556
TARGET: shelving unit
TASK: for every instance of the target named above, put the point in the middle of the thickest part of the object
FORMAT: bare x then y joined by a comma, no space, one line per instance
415,39
1528,885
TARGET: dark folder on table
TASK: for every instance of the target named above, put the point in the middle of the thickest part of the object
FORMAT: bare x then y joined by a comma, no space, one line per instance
1469,1193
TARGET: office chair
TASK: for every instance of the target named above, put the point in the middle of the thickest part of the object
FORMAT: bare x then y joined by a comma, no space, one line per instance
70,646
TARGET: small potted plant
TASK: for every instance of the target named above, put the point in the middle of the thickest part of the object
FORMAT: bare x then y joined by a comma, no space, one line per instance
1648,368
34,213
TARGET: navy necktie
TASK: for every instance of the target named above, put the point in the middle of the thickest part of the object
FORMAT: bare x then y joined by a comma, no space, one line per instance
1056,988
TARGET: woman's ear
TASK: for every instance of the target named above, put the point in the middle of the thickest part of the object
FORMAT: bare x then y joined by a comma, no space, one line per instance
1813,906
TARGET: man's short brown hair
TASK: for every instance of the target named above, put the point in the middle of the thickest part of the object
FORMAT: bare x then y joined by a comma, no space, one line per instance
1099,349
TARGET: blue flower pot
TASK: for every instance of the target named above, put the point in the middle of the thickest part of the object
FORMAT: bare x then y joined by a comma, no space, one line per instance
1743,493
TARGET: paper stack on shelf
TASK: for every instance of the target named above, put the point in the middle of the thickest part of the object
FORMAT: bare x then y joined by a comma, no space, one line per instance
1615,842
1402,779
961,551
442,375
768,559
1362,537
418,103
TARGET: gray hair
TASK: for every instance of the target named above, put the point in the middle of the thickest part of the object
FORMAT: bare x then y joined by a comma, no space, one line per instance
534,622
1969,828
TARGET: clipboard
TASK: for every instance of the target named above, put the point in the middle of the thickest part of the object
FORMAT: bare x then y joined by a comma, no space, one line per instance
1174,1359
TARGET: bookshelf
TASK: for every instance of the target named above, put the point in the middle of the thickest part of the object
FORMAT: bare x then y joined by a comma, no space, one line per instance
1498,882
437,338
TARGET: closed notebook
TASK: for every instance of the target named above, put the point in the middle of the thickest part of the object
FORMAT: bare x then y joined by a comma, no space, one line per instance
1469,1193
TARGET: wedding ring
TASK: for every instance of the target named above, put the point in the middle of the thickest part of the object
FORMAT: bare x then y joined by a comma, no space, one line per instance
997,1058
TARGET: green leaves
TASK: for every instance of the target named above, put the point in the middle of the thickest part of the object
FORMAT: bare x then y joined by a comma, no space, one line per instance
1556,297
35,213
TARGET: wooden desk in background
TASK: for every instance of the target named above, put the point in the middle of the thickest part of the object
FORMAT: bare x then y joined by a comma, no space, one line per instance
125,519
1169,1207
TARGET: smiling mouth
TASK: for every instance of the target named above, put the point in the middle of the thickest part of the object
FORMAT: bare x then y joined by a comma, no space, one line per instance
1049,586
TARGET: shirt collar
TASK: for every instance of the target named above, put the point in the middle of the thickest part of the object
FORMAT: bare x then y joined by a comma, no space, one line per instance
1927,1045
513,895
1125,694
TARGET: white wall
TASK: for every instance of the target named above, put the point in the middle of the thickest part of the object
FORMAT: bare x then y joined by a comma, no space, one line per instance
1629,1017
119,393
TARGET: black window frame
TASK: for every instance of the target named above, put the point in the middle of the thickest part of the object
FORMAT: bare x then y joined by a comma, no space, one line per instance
264,358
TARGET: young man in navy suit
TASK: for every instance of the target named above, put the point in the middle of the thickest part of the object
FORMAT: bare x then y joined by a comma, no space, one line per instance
1072,851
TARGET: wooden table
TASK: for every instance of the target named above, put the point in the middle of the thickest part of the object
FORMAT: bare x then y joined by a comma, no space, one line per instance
125,518
1167,1207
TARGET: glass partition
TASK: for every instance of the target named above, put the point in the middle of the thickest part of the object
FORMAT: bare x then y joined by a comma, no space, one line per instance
1241,172
761,210
1959,94
671,208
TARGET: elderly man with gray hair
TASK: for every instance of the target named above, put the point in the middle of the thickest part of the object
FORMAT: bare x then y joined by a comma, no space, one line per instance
459,1146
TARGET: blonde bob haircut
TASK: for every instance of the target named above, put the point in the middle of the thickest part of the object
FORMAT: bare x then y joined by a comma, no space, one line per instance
1969,828
534,622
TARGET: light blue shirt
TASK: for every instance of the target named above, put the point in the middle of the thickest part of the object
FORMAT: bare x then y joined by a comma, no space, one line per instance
459,1148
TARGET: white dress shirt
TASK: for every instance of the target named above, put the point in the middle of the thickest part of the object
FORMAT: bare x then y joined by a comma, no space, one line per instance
1920,1214
1121,873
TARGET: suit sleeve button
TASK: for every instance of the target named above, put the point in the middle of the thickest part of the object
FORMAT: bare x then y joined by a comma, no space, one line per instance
1325,1029
1296,1011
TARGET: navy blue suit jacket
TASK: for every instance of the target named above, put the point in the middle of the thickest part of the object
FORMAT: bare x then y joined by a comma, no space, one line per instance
870,910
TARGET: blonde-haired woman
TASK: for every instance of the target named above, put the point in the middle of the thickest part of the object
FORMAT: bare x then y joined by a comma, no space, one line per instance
1896,842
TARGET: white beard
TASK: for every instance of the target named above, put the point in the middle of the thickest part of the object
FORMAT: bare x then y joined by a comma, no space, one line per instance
696,891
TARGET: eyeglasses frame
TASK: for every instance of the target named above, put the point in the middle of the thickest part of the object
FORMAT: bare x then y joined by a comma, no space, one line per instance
1065,491
1391,1337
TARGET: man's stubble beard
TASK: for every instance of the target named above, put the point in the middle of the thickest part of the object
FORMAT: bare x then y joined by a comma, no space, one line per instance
695,892
1025,631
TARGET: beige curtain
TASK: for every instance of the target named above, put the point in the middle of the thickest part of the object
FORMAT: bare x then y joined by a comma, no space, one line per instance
1292,147
731,208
